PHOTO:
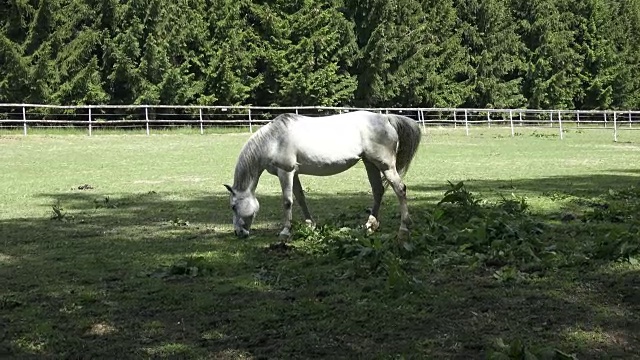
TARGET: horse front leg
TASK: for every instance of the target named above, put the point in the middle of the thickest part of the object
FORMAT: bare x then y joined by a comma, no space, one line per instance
286,183
375,179
299,194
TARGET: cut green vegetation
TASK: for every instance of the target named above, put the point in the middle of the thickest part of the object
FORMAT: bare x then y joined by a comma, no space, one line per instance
122,246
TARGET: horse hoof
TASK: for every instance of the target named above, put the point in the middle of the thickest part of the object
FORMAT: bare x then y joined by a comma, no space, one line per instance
284,234
310,224
372,225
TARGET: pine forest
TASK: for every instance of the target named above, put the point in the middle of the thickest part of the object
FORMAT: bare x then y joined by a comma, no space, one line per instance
540,54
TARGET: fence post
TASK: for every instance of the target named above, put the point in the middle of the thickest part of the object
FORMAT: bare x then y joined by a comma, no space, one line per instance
90,127
629,119
24,119
466,122
520,118
455,120
550,118
421,117
250,125
146,116
560,125
489,118
605,120
201,122
578,117
615,127
511,121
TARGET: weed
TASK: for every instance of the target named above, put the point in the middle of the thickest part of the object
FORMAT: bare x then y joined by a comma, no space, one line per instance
621,245
459,203
57,213
105,202
543,135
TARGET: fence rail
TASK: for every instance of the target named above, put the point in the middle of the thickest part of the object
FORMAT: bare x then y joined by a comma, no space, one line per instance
23,117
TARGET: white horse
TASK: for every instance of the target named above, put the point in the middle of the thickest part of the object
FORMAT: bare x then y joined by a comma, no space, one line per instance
293,144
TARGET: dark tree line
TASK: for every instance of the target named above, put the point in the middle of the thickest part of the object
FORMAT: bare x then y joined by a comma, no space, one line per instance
383,53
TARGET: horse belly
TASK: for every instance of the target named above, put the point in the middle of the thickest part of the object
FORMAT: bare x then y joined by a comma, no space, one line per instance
327,147
324,168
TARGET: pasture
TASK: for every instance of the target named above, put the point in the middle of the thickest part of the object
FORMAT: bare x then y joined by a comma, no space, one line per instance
122,246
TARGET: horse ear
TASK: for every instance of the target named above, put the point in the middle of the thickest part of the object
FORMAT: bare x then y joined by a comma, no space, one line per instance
229,188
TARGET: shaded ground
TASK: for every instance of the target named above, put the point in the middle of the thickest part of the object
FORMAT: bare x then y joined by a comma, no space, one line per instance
115,276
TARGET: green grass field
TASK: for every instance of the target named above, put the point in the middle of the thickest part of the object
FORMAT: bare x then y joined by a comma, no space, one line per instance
538,251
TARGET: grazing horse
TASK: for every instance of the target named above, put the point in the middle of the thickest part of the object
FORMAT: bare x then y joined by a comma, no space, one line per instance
291,145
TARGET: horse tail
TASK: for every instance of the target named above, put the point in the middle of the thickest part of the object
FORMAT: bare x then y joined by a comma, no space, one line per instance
409,136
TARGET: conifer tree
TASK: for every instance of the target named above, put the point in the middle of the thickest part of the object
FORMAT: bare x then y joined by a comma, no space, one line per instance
228,58
317,53
434,73
121,57
15,79
626,84
596,43
410,53
552,78
496,53
382,53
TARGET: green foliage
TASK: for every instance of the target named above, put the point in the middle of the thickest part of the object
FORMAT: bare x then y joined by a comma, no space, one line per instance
371,255
620,207
626,83
465,230
406,60
227,53
496,53
502,235
618,246
498,234
318,48
433,53
15,70
464,204
552,76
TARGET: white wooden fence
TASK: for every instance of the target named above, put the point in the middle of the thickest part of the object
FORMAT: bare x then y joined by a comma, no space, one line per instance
148,118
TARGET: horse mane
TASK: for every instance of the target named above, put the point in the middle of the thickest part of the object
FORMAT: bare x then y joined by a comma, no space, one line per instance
250,164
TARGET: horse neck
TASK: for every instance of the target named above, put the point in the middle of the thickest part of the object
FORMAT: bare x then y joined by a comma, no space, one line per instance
248,169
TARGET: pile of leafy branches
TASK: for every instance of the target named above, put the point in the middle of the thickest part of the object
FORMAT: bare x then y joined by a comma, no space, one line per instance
505,236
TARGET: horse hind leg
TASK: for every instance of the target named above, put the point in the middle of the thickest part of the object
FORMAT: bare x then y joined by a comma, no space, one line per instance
286,183
401,191
377,188
300,198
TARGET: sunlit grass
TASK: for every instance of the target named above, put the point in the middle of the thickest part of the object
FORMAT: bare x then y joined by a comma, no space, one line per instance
143,261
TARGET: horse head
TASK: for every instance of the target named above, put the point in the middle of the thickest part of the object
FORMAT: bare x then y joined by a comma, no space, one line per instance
245,206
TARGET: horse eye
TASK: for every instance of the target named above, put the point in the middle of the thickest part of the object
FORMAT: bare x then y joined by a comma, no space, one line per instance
233,207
